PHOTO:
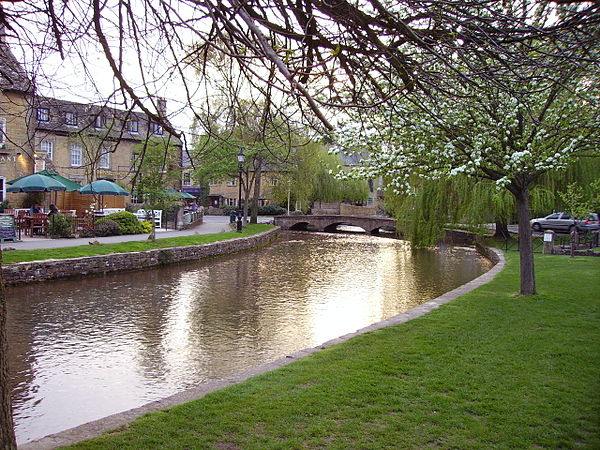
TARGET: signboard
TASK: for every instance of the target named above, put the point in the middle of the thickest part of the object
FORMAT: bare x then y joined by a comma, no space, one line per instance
548,237
7,228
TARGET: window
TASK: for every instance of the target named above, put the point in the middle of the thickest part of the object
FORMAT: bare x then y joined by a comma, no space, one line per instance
232,182
133,126
213,183
2,189
273,182
47,148
76,155
104,159
187,179
40,164
2,132
100,121
156,129
70,118
43,115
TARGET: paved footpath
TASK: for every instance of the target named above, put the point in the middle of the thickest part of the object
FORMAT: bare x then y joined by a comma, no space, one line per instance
211,225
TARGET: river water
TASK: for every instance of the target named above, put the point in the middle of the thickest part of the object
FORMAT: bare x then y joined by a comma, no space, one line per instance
83,349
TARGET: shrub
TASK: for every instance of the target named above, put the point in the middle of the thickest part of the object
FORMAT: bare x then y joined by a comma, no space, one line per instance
127,222
268,210
86,232
271,210
60,226
227,209
106,228
147,226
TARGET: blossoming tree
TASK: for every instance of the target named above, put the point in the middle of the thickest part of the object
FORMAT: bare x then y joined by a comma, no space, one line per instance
510,136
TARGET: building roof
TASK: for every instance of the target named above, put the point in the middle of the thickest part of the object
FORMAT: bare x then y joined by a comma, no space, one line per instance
12,75
93,119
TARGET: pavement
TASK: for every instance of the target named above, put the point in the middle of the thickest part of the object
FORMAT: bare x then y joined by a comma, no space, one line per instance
210,225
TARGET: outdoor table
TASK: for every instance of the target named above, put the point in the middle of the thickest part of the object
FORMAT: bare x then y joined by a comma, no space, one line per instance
35,222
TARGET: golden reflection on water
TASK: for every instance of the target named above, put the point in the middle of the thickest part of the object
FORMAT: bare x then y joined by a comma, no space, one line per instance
94,347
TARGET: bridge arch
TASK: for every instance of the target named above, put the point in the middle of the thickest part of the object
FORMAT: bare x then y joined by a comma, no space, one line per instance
329,223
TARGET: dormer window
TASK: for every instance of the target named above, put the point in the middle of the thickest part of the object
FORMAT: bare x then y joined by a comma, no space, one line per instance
43,115
133,126
156,129
100,121
70,118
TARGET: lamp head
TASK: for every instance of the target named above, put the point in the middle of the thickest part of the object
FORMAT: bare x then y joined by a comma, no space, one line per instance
241,157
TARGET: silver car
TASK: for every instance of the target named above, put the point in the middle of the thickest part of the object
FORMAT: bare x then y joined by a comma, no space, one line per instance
559,221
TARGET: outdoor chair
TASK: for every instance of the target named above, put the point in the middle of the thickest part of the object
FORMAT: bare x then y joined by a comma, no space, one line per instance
39,224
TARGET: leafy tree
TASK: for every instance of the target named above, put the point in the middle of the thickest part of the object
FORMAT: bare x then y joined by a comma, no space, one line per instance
157,169
485,133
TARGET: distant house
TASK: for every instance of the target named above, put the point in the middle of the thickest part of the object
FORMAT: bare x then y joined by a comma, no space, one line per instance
82,142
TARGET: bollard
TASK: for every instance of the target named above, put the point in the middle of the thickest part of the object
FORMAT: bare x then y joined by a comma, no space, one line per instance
548,242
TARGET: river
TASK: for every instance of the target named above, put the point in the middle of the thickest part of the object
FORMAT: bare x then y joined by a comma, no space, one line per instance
83,349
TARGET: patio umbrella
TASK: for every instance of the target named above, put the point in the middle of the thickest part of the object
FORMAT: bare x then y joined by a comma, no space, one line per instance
35,183
179,194
103,187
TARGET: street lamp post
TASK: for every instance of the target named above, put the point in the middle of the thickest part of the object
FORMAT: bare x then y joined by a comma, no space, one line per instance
240,158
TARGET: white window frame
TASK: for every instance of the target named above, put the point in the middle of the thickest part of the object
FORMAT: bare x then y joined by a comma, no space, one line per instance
71,118
43,115
2,132
130,126
76,149
273,181
40,164
232,182
104,159
156,128
47,149
100,121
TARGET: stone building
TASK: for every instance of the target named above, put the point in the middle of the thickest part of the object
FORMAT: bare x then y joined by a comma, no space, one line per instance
82,142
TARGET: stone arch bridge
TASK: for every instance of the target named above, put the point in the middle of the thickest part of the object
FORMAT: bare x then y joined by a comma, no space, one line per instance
329,223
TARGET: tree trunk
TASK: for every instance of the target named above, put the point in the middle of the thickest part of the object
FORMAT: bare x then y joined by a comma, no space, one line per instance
525,243
501,230
254,214
7,433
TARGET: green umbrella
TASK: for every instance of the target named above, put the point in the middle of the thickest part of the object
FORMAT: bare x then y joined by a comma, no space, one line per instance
35,183
179,194
103,187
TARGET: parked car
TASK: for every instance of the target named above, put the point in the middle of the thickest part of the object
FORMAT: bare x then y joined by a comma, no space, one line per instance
559,221
591,223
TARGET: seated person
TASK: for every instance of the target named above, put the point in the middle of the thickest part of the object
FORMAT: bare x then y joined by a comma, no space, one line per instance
35,209
53,210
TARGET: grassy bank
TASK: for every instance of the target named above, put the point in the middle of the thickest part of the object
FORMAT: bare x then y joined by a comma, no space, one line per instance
15,256
489,370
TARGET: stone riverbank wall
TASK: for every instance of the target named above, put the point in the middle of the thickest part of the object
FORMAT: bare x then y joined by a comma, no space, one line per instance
29,272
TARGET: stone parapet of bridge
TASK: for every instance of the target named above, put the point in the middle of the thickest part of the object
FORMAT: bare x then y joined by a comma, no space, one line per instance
329,223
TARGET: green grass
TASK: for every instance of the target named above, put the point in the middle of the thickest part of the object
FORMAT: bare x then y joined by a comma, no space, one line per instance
489,370
15,256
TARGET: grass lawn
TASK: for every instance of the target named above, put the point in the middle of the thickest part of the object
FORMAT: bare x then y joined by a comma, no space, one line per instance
15,256
489,370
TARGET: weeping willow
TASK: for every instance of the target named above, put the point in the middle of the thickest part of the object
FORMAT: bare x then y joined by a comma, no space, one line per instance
433,204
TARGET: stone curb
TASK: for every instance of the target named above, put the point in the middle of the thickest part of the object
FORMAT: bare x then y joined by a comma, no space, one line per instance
50,269
95,428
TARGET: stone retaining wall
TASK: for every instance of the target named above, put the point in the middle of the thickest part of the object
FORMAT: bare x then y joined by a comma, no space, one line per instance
28,272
